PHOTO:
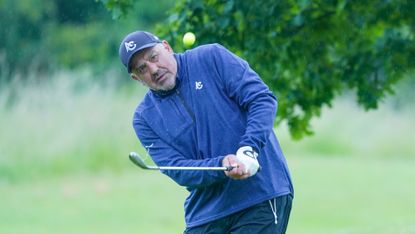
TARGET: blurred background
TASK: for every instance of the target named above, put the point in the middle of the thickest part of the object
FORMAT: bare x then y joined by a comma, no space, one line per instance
66,106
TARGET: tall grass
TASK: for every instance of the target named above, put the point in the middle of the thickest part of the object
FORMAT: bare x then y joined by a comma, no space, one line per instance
76,122
347,130
69,123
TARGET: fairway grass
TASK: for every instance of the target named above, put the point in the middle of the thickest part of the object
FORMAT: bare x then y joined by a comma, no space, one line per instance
333,195
352,195
131,202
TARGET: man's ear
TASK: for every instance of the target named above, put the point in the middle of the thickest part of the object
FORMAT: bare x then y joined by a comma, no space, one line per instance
167,46
134,77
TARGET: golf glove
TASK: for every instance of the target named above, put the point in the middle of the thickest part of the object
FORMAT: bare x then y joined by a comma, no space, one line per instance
248,156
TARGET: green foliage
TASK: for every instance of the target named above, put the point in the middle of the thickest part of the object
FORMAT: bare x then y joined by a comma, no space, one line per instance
119,8
308,52
21,32
75,45
42,35
37,35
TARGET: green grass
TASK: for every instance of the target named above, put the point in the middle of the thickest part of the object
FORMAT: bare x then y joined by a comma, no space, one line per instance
63,126
348,131
130,202
353,195
333,195
64,165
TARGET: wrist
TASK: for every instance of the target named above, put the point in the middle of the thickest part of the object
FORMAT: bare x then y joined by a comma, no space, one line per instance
248,151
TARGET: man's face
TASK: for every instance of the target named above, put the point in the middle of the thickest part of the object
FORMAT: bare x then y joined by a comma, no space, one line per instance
155,67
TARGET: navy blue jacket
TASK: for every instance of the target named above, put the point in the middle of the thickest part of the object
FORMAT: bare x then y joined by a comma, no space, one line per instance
218,105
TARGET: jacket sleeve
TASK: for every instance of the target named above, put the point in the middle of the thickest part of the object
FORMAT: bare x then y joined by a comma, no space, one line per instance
245,87
164,155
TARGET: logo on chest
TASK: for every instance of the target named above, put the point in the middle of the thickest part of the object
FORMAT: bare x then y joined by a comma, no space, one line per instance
198,85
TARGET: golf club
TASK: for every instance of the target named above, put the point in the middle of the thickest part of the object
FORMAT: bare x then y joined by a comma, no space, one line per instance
139,162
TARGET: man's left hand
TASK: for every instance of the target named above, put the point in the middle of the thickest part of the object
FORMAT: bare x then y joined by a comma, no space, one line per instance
248,156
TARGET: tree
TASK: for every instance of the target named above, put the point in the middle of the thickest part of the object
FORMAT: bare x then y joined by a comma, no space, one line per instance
308,52
40,36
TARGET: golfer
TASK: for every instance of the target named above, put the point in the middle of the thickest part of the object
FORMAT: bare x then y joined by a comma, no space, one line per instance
206,107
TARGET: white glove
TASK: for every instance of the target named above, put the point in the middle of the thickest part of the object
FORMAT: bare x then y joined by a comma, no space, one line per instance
247,156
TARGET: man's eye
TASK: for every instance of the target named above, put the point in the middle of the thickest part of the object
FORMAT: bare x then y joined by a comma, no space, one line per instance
154,58
141,69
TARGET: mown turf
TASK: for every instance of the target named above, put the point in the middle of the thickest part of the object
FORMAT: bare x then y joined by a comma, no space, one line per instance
333,195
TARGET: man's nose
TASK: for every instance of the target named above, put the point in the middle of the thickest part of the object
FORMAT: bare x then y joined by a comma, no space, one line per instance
153,68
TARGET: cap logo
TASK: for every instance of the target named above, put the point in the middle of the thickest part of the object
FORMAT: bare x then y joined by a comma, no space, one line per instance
130,46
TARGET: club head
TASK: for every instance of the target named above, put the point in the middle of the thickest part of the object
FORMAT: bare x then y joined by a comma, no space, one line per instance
137,160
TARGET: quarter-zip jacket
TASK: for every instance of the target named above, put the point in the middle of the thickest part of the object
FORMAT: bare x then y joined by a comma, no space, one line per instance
218,105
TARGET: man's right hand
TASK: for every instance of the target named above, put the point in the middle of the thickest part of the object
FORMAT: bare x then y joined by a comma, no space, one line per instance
238,171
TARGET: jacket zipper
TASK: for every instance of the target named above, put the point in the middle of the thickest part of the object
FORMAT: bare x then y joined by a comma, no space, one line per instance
192,115
186,106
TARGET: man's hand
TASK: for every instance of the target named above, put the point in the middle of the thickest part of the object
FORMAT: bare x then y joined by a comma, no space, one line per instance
248,157
238,171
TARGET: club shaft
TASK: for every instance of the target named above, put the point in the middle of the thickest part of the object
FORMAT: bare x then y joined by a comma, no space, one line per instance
139,162
190,168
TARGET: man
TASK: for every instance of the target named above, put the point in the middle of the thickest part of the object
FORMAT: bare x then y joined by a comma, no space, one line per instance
207,107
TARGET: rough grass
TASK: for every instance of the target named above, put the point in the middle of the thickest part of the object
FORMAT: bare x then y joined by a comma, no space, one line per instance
348,131
63,126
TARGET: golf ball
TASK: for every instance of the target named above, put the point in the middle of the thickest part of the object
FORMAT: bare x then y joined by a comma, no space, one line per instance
189,39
